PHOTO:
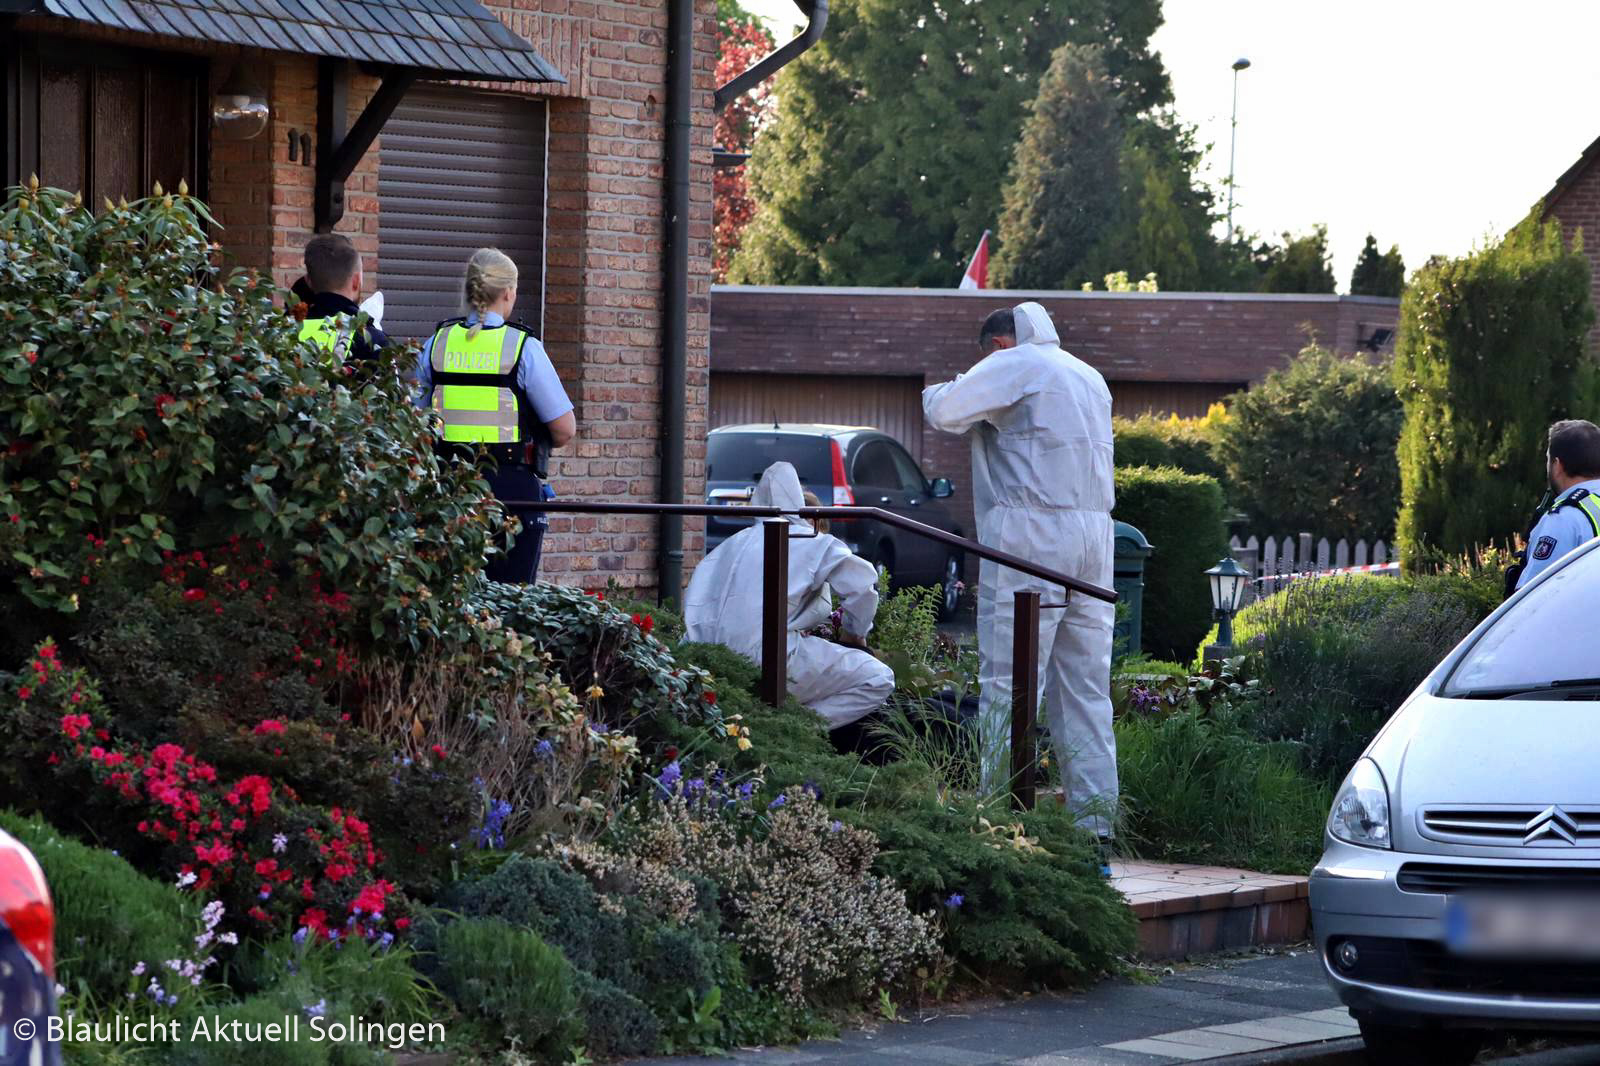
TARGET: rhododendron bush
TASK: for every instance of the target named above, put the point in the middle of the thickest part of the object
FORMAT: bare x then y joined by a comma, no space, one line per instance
151,404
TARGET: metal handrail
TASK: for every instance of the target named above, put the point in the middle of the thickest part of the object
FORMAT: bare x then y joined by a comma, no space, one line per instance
841,514
774,603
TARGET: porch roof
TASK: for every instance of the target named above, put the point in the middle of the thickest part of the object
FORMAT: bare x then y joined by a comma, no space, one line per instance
449,38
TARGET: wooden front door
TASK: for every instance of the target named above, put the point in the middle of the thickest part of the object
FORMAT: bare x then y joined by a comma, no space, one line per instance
107,122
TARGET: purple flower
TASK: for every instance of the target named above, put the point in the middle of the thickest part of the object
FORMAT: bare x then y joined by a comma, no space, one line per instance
544,749
317,1009
779,802
694,786
955,901
671,774
384,941
835,827
747,790
300,935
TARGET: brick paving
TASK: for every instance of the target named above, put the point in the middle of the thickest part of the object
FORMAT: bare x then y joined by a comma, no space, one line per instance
1196,910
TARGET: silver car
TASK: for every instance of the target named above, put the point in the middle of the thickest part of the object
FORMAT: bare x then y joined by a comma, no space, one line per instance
1459,890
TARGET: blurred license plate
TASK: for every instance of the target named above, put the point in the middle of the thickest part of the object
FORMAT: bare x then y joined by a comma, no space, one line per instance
1556,928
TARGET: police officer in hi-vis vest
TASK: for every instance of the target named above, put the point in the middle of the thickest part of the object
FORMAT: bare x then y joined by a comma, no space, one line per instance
333,278
494,388
1573,459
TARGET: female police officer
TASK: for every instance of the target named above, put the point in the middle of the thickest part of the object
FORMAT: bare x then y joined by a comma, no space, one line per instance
495,389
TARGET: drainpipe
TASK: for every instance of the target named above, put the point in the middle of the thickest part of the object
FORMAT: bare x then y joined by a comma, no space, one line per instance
675,295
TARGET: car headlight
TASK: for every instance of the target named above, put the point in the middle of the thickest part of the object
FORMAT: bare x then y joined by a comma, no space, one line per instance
1361,811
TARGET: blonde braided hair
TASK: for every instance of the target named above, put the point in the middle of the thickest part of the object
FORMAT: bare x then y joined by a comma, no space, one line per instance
490,272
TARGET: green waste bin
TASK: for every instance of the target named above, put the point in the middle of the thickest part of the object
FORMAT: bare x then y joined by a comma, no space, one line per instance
1132,549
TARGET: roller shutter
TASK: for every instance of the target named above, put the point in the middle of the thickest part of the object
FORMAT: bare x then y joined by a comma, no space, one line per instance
891,404
458,170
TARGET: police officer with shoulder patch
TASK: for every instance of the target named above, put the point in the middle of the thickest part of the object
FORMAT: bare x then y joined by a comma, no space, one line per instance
1574,460
332,286
494,388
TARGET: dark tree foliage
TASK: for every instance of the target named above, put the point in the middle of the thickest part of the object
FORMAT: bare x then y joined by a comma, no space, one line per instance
1491,351
1300,264
1378,273
894,133
1063,190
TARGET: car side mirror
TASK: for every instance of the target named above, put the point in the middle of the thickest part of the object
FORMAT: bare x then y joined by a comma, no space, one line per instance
941,488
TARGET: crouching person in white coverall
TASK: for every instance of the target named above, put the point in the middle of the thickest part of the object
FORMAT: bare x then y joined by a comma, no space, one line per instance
1040,424
843,681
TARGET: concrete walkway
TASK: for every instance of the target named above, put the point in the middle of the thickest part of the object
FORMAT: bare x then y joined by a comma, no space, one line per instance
1198,1013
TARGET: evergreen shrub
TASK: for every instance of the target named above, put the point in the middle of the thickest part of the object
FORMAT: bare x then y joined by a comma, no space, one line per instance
1182,517
1312,449
509,977
1492,350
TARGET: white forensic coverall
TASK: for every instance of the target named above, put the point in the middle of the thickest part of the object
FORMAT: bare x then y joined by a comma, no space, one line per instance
723,606
1040,424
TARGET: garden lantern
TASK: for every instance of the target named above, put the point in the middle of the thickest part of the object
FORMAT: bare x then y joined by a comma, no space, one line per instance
239,111
1227,589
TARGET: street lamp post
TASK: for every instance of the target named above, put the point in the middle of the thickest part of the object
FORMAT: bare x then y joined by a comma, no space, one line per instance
1233,135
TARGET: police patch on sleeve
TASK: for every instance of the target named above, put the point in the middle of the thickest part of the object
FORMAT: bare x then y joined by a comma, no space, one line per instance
1545,546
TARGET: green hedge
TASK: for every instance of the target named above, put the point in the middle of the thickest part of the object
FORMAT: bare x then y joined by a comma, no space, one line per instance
108,915
1190,444
1492,349
1182,516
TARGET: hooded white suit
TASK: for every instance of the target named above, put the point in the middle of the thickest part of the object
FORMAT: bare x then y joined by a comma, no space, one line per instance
723,606
1040,423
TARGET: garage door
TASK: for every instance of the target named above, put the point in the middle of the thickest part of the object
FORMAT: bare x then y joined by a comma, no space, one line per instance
458,170
892,404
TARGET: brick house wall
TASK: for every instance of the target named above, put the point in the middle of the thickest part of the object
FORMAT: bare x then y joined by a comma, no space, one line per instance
605,235
1575,203
1152,343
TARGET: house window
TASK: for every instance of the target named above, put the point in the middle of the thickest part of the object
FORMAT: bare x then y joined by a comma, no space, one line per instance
106,122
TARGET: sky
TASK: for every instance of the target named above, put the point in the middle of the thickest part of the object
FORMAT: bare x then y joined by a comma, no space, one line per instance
1429,123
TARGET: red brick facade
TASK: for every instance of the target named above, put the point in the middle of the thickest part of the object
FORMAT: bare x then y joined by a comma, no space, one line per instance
1575,202
1166,343
605,232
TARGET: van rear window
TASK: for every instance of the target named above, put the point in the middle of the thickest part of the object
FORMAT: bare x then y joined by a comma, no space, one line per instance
740,458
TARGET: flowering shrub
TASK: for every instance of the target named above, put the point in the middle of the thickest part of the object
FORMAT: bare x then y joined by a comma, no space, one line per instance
150,404
800,898
595,646
248,840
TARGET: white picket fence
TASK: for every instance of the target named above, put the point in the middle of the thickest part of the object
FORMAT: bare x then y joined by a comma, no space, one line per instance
1277,560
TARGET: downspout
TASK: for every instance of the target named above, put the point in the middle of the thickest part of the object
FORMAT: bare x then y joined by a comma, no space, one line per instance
675,296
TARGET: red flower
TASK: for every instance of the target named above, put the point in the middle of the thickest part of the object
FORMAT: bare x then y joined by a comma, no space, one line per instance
33,357
315,919
268,725
24,692
438,752
370,899
710,698
194,595
74,724
162,402
402,924
216,854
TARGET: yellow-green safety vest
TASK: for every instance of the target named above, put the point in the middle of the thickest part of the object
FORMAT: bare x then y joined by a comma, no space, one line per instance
1586,502
331,334
475,383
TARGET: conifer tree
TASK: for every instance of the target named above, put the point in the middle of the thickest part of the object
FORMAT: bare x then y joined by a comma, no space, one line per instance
1378,273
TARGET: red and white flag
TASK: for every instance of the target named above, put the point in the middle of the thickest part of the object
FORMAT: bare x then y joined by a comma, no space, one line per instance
977,275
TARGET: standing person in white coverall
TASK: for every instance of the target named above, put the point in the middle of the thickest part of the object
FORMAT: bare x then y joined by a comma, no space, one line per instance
843,682
1040,423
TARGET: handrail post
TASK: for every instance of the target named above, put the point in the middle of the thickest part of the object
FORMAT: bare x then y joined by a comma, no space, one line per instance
1024,697
775,612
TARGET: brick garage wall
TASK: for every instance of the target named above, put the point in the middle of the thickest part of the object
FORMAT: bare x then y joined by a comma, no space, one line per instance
1180,341
1576,204
604,269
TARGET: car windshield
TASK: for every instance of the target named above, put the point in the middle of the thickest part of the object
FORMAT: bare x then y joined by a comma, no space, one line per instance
1549,639
742,457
